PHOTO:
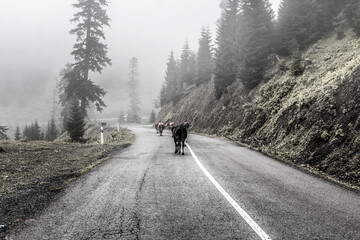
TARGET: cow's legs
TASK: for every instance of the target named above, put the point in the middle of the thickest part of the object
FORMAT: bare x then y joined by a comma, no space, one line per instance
182,148
176,148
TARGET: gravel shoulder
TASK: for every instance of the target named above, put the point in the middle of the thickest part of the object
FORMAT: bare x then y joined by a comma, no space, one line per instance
33,173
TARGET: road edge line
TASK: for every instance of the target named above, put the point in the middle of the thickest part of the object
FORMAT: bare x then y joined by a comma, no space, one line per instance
261,233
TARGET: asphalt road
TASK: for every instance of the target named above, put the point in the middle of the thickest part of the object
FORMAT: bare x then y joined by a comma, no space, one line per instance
148,192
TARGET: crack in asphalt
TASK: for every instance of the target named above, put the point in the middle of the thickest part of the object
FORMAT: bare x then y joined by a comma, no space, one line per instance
136,215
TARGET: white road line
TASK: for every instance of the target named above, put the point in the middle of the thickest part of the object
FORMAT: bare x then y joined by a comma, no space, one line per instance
241,211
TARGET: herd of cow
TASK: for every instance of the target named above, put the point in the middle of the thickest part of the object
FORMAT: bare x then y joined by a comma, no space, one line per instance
179,133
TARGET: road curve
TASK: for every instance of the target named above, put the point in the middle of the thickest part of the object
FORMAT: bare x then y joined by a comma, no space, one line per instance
148,192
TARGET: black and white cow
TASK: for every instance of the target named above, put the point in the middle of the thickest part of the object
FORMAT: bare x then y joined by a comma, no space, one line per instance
179,133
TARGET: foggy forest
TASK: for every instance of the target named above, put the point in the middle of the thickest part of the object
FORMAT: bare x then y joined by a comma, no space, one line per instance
258,98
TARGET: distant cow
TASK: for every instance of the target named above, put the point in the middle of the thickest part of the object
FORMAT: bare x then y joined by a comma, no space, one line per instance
179,133
160,127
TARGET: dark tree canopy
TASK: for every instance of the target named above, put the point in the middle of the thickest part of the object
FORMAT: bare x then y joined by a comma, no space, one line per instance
51,131
306,21
3,135
32,132
187,64
75,123
226,56
204,58
170,86
255,34
17,134
89,52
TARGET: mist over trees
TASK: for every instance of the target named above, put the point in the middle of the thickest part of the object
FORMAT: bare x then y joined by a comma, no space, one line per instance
133,89
248,35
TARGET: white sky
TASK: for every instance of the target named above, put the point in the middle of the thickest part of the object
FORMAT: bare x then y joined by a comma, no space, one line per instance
35,45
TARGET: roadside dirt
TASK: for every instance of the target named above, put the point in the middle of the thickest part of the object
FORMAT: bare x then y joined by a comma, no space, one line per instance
33,173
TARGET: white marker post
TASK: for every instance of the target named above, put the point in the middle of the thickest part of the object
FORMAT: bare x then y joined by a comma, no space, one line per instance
118,127
102,132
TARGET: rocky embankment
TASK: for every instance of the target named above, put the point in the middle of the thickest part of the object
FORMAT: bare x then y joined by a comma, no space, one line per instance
312,121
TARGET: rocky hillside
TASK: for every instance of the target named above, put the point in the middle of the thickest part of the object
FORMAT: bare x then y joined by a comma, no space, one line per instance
312,121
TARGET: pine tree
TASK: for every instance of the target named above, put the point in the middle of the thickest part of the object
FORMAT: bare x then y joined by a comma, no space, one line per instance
36,133
152,117
204,59
163,96
51,131
255,29
89,53
3,135
170,85
17,134
186,77
226,56
75,124
133,86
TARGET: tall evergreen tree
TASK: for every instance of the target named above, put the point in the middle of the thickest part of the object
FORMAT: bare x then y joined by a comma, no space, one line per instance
255,29
226,55
89,52
191,69
171,80
133,87
3,135
204,58
36,132
75,123
17,134
163,96
186,77
51,131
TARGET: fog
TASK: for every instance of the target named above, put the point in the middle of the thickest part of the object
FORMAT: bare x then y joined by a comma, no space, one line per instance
35,45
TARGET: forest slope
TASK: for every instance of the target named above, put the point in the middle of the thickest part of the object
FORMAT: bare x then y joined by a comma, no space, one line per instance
312,120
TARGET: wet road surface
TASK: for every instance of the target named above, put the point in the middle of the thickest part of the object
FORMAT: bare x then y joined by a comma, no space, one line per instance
148,192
